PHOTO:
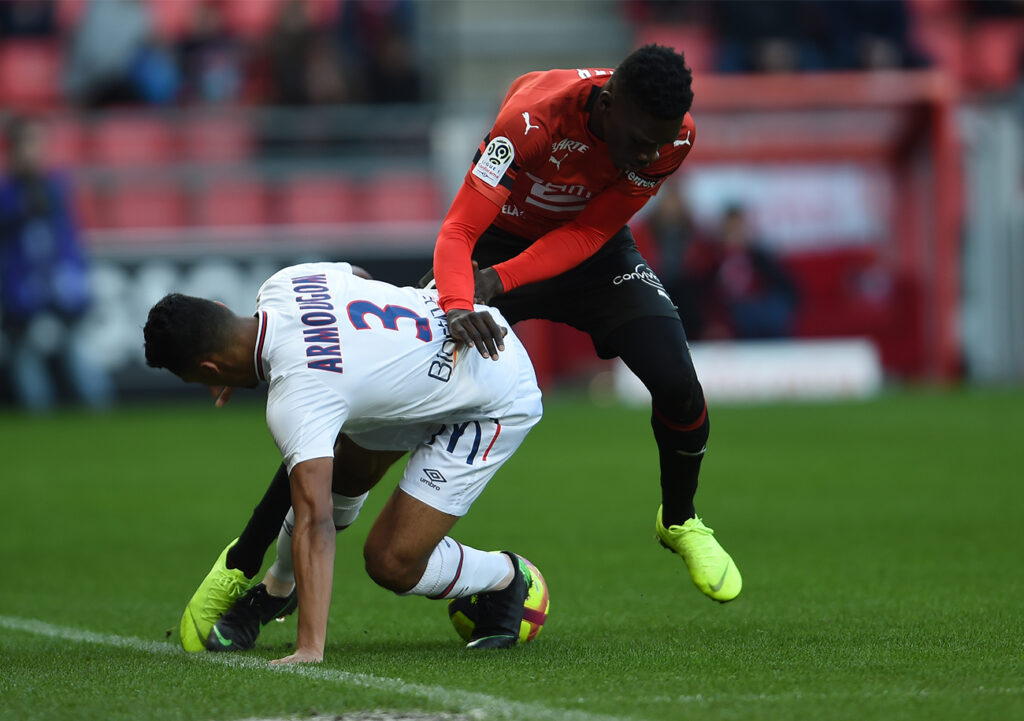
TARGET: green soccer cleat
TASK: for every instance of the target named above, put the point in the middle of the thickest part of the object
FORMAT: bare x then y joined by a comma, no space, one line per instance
711,568
215,595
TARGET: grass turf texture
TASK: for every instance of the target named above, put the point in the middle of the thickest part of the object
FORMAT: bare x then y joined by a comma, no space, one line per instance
880,544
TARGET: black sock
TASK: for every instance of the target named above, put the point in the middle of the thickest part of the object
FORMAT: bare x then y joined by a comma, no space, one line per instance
655,349
680,451
263,526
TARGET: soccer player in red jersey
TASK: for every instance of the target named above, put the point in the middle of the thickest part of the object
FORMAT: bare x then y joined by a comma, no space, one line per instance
572,156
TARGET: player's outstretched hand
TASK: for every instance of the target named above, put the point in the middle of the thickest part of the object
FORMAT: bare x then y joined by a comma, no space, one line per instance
477,329
488,284
299,656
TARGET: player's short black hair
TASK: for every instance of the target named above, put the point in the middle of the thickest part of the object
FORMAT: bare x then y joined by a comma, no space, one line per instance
657,80
182,329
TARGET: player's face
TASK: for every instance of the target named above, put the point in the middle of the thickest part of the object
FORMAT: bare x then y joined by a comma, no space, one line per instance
634,137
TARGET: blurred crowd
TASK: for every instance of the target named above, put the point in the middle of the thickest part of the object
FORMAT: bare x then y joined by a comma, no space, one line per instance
289,52
978,42
726,282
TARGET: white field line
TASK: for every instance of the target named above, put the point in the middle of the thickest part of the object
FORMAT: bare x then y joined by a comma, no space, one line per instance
467,701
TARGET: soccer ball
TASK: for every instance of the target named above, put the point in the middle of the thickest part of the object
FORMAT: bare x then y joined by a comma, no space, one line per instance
463,611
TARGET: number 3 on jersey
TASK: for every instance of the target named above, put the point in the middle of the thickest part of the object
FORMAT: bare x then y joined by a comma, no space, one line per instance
389,316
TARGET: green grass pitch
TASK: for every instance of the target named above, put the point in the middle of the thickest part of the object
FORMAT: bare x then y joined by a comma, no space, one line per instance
881,545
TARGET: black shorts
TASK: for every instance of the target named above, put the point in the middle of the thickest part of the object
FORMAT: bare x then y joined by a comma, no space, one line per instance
601,294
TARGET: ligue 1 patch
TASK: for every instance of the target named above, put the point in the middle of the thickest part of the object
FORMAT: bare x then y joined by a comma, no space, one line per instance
495,161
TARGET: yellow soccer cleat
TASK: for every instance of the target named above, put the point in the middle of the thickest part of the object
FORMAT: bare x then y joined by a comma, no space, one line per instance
215,595
711,568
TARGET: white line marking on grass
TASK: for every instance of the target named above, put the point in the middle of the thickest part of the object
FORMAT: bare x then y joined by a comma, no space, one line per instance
469,701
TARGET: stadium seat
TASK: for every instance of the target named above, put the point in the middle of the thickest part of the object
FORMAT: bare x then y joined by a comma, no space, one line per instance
87,205
251,19
146,205
171,19
65,140
29,74
234,202
127,141
693,40
314,199
217,138
402,196
69,14
995,49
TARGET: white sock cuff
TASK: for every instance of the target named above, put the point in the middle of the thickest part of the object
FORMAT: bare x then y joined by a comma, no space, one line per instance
283,567
346,508
454,570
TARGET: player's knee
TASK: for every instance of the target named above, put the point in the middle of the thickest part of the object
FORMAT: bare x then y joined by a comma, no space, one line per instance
388,569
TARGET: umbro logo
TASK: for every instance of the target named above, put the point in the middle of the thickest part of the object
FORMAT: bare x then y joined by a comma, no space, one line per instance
433,478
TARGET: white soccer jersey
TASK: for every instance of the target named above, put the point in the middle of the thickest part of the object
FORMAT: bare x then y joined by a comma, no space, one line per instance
345,354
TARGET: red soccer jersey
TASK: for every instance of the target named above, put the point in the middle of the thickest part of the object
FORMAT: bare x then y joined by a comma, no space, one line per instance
548,179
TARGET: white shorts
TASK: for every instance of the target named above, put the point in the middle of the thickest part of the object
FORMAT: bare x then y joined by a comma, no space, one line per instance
450,464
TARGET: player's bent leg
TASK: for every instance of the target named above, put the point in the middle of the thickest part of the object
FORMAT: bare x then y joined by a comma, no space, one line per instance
680,423
399,557
221,588
711,568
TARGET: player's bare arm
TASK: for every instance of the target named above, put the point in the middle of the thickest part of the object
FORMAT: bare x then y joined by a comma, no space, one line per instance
313,548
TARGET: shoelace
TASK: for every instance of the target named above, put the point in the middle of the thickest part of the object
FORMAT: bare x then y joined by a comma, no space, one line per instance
226,589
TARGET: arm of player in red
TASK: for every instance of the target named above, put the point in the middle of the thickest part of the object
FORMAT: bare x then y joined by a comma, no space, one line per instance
569,245
313,546
468,217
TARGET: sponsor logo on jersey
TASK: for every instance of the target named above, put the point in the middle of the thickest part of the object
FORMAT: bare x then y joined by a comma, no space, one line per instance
642,181
558,197
573,146
497,157
512,209
566,147
641,273
585,73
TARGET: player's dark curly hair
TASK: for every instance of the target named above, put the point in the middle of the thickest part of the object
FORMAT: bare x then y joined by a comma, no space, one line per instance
182,329
658,81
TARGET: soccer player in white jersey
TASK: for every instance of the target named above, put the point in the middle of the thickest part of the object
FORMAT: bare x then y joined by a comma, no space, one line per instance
346,355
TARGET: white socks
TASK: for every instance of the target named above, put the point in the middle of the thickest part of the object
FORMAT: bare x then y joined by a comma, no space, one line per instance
455,570
346,510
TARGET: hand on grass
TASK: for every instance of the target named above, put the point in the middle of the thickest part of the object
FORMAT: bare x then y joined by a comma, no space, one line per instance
300,656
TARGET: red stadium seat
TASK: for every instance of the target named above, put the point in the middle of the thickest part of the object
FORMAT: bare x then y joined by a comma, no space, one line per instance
695,41
87,205
235,202
402,196
146,205
251,19
65,140
70,13
217,139
125,141
319,200
995,48
172,18
29,74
